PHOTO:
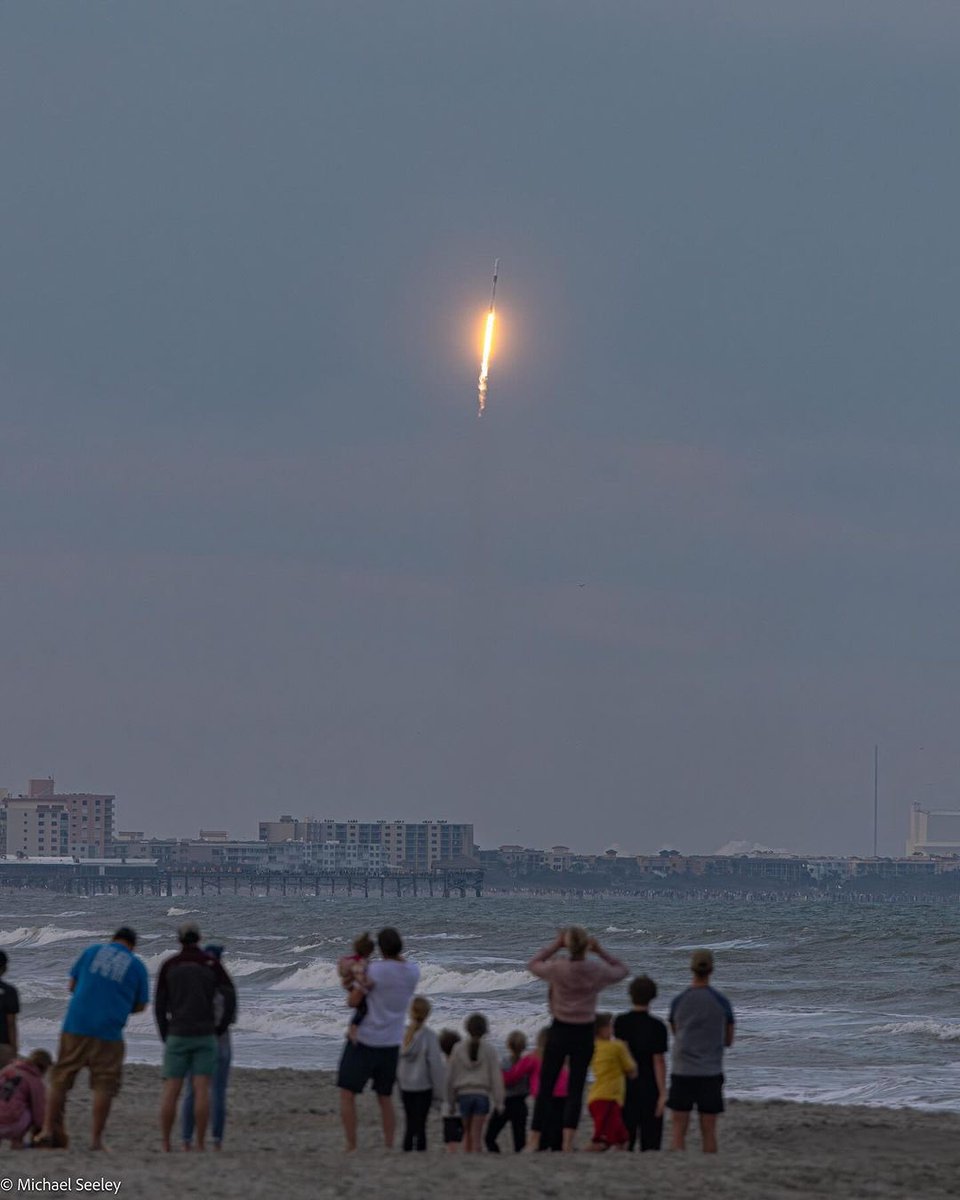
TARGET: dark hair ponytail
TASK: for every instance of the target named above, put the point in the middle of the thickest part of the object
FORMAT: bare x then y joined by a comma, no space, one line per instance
476,1026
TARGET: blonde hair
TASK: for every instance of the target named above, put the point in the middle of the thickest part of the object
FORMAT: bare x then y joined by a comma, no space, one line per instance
419,1011
577,940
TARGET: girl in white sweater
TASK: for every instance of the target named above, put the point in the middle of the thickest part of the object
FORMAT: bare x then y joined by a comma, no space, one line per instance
474,1081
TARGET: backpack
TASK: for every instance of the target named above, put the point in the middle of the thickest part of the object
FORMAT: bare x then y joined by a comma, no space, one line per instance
14,1095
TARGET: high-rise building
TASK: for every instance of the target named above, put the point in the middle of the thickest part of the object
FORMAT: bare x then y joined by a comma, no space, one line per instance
46,822
411,845
37,828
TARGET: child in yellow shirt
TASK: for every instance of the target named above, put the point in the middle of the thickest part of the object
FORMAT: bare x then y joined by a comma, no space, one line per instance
612,1066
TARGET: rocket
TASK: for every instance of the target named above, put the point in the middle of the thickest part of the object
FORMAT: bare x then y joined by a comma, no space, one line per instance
487,343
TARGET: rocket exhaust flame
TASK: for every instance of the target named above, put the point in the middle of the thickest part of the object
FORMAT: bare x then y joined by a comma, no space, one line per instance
487,343
485,365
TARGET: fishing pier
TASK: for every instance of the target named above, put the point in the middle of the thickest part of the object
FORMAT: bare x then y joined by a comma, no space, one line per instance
147,879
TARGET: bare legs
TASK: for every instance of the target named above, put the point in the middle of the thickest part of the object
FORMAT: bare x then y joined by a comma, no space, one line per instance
348,1118
101,1110
473,1134
168,1108
388,1120
201,1107
53,1118
680,1124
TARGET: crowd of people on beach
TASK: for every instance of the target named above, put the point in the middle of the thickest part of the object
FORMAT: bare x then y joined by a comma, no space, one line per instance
390,1045
194,1005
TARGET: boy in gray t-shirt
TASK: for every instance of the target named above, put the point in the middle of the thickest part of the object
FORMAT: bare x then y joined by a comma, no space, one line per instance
702,1023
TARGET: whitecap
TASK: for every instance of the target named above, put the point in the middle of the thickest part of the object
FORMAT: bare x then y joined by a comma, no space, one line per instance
732,944
442,937
13,937
44,935
943,1031
442,981
51,933
319,974
251,966
434,979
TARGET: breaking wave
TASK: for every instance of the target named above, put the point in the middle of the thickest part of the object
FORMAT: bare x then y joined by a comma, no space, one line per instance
434,979
942,1031
46,935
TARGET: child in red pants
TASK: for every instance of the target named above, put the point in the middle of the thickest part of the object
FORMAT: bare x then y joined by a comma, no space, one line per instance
612,1066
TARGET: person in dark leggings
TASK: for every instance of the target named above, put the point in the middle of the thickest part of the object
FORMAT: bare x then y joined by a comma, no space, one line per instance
575,983
421,1074
416,1109
514,1112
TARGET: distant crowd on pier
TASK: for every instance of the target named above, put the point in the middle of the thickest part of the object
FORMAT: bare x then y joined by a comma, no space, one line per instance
476,1092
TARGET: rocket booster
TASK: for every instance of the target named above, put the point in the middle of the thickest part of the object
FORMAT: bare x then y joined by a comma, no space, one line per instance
487,343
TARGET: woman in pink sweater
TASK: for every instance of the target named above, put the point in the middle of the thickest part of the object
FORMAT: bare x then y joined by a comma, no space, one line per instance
575,983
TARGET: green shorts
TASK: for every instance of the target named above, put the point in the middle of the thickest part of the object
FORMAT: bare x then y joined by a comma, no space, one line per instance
183,1056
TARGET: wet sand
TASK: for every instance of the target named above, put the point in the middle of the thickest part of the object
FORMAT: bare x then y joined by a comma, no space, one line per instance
284,1139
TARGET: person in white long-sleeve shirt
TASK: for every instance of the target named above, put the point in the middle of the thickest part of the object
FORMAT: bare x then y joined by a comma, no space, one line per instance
475,1081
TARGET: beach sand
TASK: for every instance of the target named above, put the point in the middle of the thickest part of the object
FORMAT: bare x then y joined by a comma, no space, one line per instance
284,1140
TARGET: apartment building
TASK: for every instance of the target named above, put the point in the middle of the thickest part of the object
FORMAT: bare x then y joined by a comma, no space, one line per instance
45,821
407,845
36,828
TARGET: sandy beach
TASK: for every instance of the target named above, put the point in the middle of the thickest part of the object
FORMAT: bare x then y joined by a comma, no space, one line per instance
283,1138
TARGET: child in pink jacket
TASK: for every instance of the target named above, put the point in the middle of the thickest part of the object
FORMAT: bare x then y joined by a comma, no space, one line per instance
529,1067
23,1097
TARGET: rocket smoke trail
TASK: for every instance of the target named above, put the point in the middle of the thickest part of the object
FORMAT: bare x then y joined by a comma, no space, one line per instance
487,342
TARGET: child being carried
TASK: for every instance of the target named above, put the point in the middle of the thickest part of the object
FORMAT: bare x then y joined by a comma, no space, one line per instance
352,969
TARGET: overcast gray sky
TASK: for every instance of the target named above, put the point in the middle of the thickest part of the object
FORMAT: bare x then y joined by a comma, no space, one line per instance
257,552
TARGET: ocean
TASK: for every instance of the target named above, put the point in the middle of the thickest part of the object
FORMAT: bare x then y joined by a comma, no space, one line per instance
842,1004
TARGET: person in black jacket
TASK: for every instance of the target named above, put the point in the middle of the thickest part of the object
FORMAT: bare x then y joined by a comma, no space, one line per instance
189,1024
9,1007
